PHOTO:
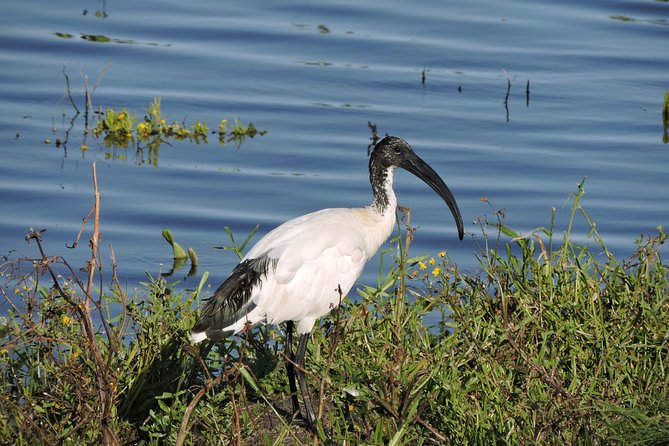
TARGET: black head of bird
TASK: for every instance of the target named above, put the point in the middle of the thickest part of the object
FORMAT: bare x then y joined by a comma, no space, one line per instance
393,152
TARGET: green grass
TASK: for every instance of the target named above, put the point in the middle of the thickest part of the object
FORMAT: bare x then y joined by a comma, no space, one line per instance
549,342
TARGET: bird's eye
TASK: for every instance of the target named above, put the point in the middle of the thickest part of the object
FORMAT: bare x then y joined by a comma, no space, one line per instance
398,150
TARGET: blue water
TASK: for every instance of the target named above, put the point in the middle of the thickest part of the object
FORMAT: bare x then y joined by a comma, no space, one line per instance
313,75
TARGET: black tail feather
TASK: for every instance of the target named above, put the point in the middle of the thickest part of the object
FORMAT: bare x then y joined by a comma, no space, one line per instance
232,300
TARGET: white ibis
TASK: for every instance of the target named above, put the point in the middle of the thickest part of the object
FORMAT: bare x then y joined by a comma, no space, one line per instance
296,272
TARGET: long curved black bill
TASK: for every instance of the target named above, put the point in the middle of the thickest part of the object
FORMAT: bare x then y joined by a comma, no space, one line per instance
422,170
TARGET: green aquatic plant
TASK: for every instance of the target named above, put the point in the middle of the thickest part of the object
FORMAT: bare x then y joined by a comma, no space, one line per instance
180,255
238,132
155,125
177,250
118,129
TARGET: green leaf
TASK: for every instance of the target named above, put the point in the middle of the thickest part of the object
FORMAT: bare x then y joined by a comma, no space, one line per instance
177,249
192,255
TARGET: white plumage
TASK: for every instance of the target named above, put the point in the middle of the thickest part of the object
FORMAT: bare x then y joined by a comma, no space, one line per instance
316,255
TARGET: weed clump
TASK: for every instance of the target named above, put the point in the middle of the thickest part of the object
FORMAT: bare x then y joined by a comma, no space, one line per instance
118,128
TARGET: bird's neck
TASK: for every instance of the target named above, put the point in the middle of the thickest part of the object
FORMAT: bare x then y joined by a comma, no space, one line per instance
384,200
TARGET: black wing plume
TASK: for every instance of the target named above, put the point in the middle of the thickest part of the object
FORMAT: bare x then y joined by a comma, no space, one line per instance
232,300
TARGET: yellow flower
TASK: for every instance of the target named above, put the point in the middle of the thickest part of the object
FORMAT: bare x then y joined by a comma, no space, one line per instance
431,261
436,271
422,265
442,254
66,320
84,147
484,199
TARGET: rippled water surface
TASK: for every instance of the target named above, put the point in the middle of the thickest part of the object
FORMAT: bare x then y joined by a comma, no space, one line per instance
587,85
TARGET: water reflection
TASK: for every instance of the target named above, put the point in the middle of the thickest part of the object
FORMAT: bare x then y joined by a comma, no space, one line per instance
624,18
101,38
665,117
101,12
322,29
509,83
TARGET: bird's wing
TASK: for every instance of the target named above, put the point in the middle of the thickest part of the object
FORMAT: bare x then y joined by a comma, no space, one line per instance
315,256
292,273
232,300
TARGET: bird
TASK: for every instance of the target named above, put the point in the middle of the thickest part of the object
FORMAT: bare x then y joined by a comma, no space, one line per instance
299,271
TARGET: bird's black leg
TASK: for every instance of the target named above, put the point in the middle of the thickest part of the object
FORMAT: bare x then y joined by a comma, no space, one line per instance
290,367
301,377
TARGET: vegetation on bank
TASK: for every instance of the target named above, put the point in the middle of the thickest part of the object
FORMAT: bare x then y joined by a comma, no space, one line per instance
552,341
